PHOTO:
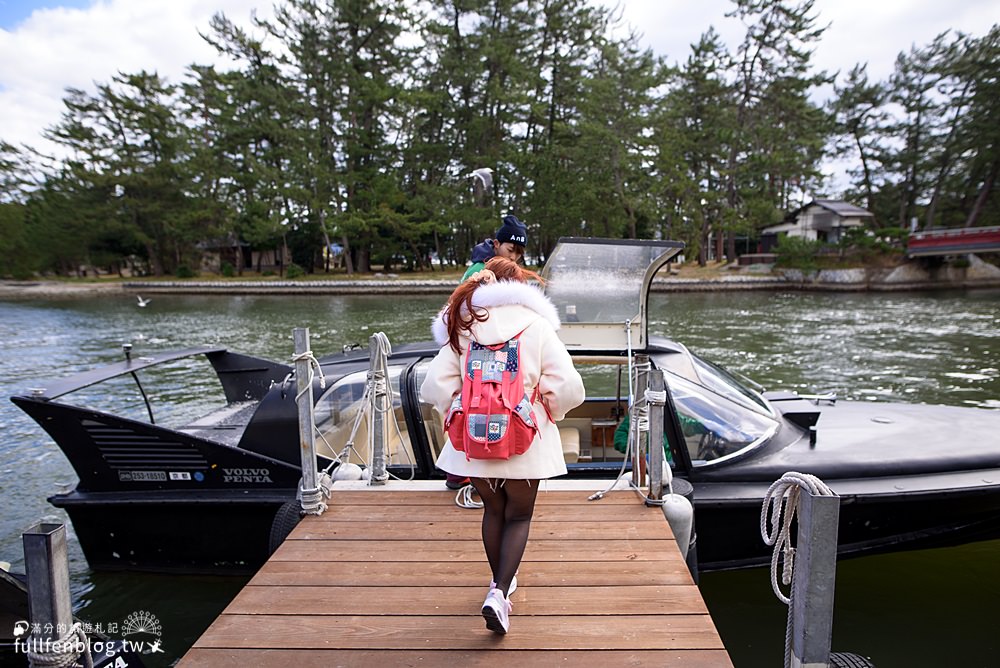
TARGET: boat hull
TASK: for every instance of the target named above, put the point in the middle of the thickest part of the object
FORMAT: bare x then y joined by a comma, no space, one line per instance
210,533
935,511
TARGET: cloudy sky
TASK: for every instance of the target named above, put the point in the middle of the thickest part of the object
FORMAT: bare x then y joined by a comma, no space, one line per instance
49,45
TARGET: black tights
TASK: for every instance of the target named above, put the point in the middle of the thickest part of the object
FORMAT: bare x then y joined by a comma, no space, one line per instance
507,510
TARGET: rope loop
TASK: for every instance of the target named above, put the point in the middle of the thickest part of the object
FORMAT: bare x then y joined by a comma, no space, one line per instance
313,364
656,397
782,498
313,501
72,645
463,499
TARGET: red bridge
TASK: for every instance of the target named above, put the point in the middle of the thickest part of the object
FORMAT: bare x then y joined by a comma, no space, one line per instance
954,241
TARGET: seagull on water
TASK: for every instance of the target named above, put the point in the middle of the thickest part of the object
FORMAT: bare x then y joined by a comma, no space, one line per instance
142,302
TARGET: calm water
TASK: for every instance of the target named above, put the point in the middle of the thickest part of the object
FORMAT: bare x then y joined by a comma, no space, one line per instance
928,608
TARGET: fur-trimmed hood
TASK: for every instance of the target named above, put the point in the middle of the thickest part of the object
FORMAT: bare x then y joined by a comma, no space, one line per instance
500,294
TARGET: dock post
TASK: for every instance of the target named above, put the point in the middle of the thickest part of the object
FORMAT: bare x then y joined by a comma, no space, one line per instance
304,401
49,602
812,596
656,456
639,419
378,395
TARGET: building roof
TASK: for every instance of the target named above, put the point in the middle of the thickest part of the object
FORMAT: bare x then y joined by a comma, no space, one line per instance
781,227
837,206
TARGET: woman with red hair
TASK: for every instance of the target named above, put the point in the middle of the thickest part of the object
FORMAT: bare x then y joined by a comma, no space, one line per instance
492,307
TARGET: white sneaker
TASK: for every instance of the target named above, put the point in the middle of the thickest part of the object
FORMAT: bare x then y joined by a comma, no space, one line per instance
496,612
513,586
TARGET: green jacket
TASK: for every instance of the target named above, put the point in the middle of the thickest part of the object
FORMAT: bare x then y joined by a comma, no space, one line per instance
621,439
473,268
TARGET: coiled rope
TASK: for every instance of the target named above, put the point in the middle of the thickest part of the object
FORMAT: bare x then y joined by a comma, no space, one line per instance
782,498
69,642
313,500
463,499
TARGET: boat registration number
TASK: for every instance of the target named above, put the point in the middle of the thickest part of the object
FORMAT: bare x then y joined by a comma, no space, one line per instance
142,476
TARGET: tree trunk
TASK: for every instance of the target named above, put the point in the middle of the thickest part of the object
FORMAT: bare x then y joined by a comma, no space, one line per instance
348,259
984,194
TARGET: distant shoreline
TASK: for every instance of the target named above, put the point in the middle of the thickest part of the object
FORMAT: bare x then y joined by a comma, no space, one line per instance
833,280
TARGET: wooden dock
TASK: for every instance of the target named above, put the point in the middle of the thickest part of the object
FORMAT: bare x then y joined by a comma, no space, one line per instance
397,575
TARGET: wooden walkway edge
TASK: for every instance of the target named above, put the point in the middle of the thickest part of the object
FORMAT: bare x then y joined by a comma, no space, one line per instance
397,576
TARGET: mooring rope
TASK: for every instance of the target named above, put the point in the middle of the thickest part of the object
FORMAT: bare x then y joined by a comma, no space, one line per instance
782,498
313,364
70,641
379,379
637,418
313,500
463,499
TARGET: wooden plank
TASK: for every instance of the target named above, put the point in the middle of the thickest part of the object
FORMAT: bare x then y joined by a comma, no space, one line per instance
559,512
364,658
407,600
540,530
475,573
383,496
472,550
398,579
461,632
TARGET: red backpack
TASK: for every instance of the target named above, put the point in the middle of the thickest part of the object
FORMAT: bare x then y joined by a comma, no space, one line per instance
492,417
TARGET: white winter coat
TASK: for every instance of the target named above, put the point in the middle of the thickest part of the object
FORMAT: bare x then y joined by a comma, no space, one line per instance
512,307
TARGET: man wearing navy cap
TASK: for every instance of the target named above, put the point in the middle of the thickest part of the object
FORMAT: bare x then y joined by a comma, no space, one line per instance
509,242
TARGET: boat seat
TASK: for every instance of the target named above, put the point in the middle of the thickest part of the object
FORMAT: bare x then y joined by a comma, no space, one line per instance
570,438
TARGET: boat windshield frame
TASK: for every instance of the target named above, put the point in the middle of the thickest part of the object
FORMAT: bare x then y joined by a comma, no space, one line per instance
600,288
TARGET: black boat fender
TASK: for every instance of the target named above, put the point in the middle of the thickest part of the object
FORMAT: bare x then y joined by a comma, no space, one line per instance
286,519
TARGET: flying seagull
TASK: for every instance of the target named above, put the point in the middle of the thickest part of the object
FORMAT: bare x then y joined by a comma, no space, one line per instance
484,174
142,302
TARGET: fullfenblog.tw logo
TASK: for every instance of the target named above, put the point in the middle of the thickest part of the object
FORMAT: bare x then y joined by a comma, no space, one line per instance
80,638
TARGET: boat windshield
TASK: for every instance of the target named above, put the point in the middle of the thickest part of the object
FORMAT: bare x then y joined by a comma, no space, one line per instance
719,380
719,426
599,283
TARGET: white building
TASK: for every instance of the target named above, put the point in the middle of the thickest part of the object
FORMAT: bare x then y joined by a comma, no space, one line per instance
819,220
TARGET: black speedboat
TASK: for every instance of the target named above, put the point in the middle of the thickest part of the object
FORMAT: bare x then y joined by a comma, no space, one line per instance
208,495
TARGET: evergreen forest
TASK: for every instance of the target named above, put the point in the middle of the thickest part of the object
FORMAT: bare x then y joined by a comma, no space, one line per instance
342,134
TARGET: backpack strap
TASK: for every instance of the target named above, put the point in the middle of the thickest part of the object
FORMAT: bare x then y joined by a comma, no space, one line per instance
535,398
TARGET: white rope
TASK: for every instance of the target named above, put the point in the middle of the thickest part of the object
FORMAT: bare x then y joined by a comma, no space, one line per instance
378,378
313,501
313,364
69,643
656,397
633,420
463,499
783,499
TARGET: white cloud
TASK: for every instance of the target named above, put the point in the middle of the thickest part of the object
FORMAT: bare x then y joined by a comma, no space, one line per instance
872,31
55,49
